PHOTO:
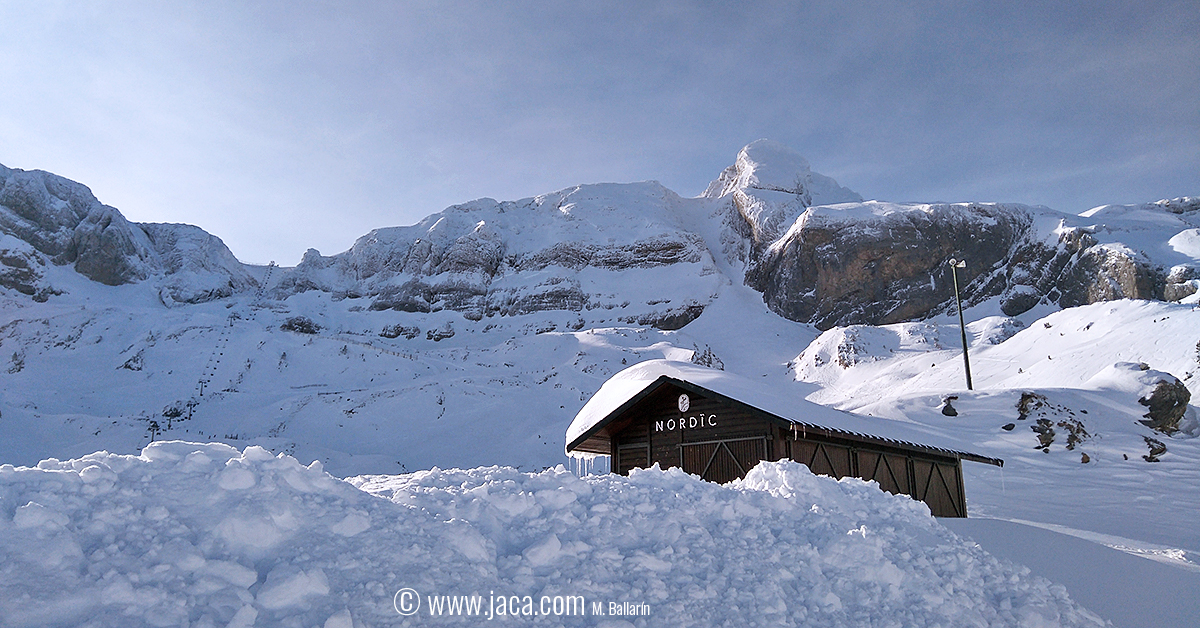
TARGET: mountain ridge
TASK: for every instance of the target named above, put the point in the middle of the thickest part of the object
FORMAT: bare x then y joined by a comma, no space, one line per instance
816,251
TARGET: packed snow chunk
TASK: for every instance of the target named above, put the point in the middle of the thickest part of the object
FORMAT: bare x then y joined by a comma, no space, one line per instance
543,552
250,533
288,586
243,618
95,473
235,477
340,619
35,515
257,454
241,576
352,524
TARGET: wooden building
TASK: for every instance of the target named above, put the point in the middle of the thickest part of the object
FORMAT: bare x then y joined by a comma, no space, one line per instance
718,426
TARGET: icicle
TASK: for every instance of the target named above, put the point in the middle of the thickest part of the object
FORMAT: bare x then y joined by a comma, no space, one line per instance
584,464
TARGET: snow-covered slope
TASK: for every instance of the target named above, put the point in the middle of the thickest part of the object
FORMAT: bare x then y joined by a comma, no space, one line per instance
1059,401
190,534
371,391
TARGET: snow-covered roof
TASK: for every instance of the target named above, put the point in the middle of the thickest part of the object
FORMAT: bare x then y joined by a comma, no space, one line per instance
621,388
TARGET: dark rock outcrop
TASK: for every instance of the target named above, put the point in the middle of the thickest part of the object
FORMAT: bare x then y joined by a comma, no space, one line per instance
1157,448
1167,404
669,320
883,268
301,325
397,330
1104,274
875,263
23,270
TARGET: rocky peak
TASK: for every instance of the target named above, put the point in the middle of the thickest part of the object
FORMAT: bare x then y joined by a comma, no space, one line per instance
768,187
768,166
565,250
63,220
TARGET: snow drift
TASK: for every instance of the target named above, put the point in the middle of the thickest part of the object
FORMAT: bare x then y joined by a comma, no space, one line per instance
205,535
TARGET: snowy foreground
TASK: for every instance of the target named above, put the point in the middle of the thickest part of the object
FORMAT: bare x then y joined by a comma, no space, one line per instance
191,534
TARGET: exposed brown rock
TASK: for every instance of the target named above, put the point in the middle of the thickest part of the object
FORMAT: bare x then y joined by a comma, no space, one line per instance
1105,274
1157,448
1167,404
890,270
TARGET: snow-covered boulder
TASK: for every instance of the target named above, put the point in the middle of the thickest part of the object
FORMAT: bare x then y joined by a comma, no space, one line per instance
1163,395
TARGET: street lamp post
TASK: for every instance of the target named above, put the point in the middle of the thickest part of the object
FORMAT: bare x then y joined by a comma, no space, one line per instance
955,264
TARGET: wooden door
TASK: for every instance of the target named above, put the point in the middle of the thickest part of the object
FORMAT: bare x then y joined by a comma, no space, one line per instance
823,458
724,460
940,486
890,470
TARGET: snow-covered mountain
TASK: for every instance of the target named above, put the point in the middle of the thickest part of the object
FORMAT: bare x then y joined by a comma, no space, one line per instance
514,309
446,315
558,252
815,250
45,218
473,337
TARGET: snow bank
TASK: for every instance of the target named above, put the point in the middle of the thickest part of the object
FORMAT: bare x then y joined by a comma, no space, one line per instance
782,547
204,535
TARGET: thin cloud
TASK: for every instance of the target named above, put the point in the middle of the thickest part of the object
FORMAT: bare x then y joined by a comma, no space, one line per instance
280,127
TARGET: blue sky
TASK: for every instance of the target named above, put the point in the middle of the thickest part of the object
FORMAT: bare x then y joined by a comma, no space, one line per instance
280,126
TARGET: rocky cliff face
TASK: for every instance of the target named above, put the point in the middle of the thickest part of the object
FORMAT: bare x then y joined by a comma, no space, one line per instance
878,263
63,220
581,249
48,219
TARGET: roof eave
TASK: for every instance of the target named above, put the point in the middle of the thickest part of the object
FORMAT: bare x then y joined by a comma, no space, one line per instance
602,423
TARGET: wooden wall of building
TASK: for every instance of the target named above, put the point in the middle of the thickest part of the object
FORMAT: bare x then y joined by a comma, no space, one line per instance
720,442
